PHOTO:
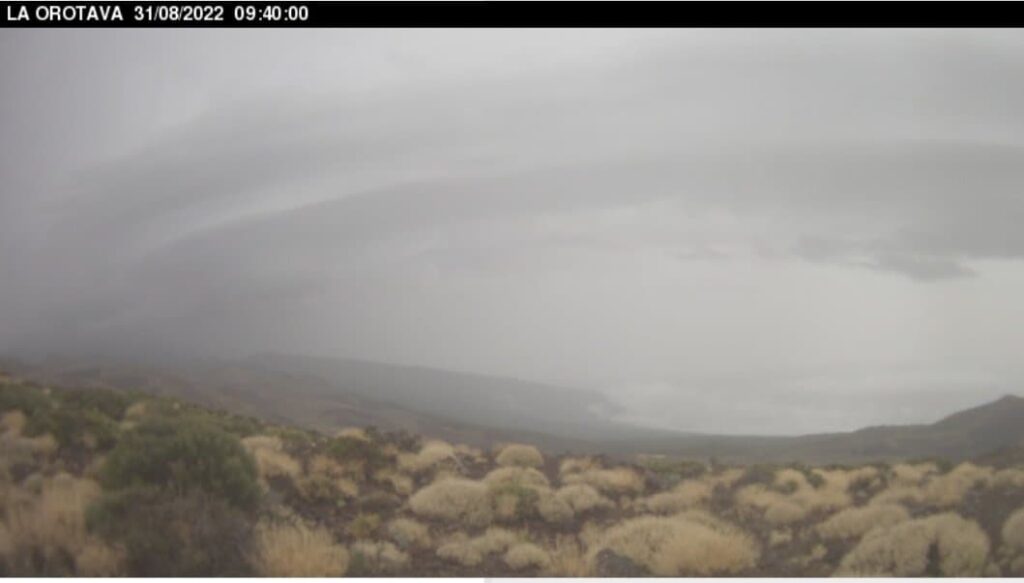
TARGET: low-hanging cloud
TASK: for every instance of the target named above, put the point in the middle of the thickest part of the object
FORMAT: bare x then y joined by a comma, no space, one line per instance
609,209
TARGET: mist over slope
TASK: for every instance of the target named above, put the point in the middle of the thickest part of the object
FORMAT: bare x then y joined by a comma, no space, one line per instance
327,394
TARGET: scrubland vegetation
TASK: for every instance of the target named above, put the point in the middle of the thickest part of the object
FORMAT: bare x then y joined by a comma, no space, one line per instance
96,483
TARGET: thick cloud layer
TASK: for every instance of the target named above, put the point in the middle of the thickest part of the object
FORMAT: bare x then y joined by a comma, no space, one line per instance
725,230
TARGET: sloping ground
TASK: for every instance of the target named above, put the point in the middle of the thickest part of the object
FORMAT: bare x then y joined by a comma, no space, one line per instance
327,394
97,482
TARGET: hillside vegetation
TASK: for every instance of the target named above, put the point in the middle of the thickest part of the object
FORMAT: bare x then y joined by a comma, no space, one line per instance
98,482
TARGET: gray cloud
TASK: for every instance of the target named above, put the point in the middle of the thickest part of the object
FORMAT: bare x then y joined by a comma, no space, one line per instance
606,208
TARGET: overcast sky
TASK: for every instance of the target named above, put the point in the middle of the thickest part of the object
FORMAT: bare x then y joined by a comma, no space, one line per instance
732,231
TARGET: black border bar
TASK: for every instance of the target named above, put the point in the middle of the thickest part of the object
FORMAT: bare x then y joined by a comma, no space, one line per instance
517,14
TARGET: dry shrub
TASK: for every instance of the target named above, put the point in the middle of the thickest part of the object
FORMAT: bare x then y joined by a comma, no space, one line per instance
942,544
948,490
271,460
99,560
686,494
50,526
495,540
582,498
519,476
297,550
553,509
322,465
575,465
612,481
801,497
462,553
469,552
517,454
897,494
1009,478
454,500
526,555
780,537
785,512
1013,532
681,546
726,478
353,433
409,534
402,484
12,423
135,411
363,526
854,522
430,455
273,464
912,474
790,479
567,559
379,556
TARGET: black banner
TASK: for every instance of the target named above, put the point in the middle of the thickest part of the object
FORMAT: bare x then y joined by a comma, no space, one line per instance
509,14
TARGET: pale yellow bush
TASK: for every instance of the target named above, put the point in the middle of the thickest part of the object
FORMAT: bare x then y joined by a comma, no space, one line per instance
460,552
572,465
526,477
380,556
526,555
686,494
470,552
1009,478
51,524
495,540
432,454
517,454
912,474
790,478
902,550
12,423
272,461
780,537
932,489
726,478
785,512
353,433
948,490
553,509
612,481
582,498
567,559
854,522
96,559
409,534
677,546
349,488
1013,531
296,550
456,500
274,464
321,465
135,411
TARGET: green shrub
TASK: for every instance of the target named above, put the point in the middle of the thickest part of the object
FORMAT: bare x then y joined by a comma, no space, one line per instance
76,428
28,400
182,455
110,403
353,449
167,535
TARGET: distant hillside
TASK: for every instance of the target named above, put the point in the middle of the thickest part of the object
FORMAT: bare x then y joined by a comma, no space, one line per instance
488,401
328,394
963,435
